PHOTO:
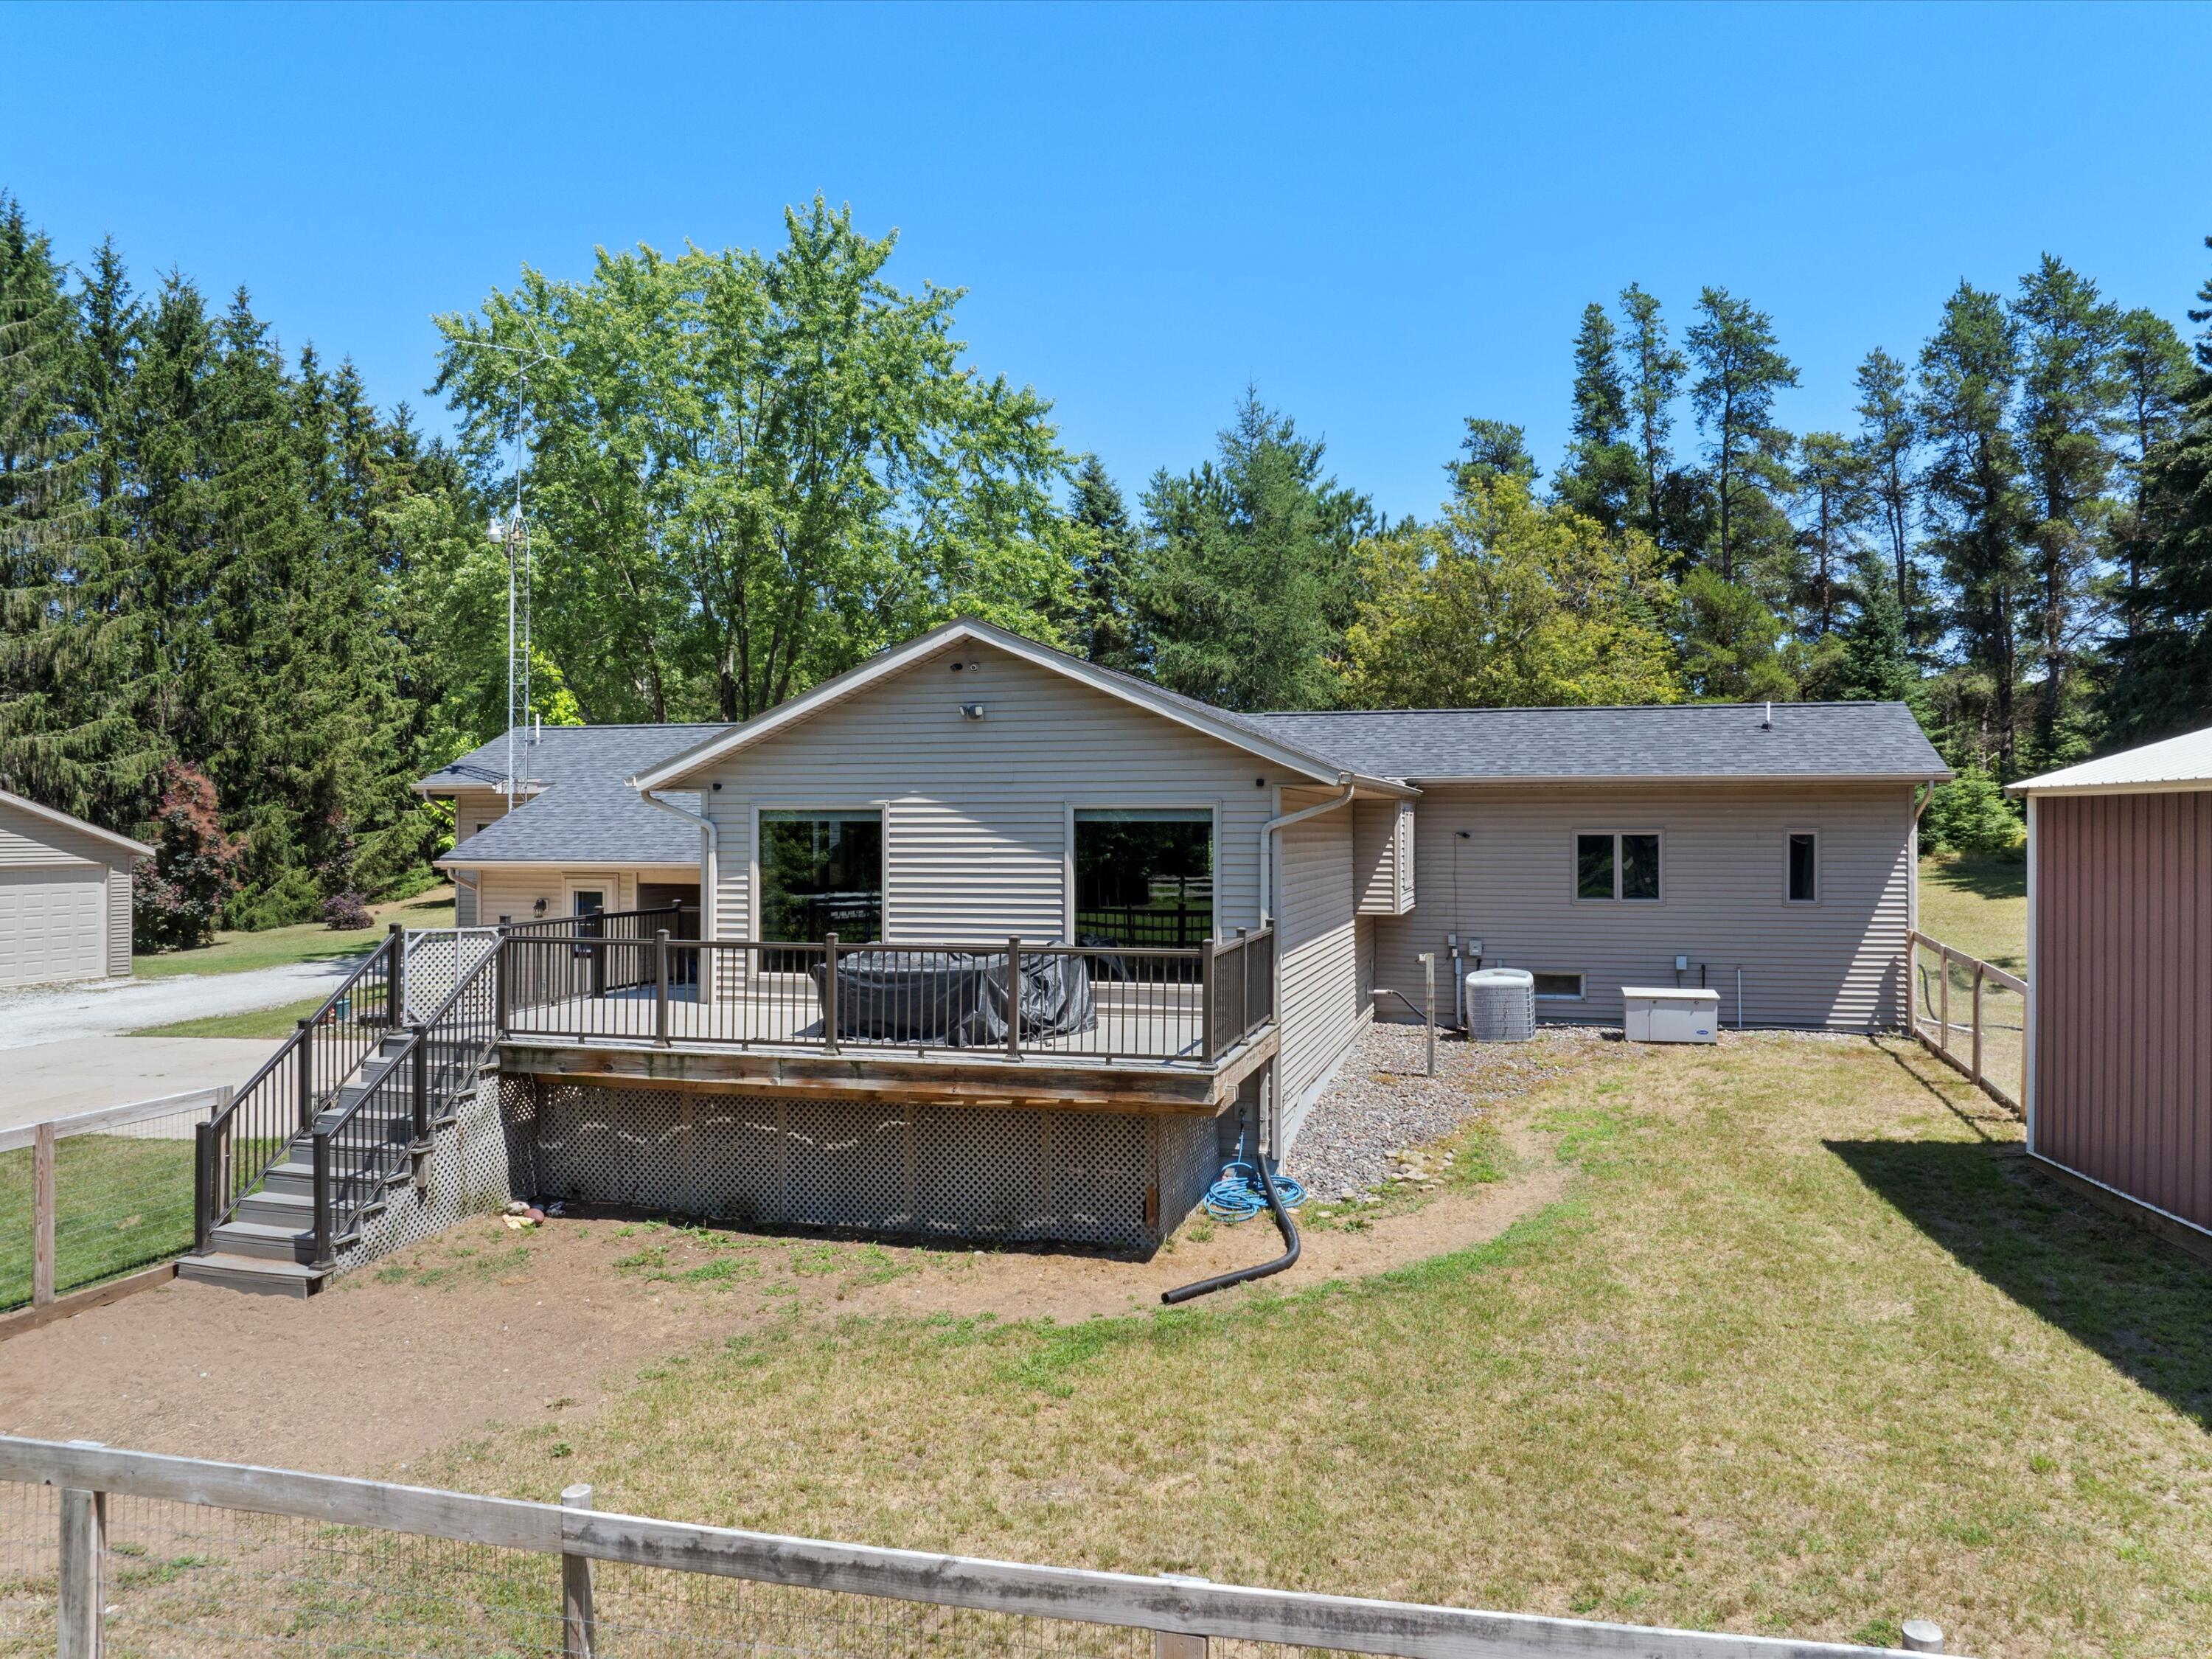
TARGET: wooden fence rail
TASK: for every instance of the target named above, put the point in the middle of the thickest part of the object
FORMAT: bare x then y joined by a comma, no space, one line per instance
1190,1611
1983,974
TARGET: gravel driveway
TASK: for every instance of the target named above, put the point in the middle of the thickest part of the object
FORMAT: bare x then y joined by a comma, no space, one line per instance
109,1007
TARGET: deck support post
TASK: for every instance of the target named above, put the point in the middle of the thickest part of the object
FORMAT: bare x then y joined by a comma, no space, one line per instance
502,999
1014,998
395,984
323,1241
579,1629
418,1084
42,1215
830,993
1209,987
84,1543
305,1073
660,988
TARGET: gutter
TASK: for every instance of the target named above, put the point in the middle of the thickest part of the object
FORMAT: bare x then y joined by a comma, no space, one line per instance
1267,862
709,864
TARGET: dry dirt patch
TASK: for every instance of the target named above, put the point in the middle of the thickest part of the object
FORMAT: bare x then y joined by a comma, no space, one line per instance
485,1325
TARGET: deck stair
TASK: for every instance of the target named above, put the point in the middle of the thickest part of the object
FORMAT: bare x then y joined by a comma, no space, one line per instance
373,1130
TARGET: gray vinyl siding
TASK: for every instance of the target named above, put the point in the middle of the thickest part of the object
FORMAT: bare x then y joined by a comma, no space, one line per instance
118,921
1375,849
977,813
473,809
1837,964
1316,936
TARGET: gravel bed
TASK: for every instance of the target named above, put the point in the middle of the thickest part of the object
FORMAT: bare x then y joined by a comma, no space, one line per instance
1381,1101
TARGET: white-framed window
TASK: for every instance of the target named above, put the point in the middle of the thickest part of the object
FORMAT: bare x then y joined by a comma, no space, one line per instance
1618,866
1559,988
1800,866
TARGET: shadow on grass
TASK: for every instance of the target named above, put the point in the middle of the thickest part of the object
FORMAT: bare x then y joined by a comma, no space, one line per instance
2142,1304
1989,877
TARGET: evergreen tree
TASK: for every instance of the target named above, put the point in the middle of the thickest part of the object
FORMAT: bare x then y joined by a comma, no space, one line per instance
1600,478
1876,664
1492,450
1654,379
1975,498
1740,369
1249,578
2151,366
1104,555
1730,641
1831,482
1888,435
2165,683
2068,398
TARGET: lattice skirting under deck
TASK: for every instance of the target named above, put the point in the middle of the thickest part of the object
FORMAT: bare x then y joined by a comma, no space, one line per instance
981,1174
476,1164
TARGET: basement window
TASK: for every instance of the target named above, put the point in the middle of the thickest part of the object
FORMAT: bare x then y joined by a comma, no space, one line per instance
1559,988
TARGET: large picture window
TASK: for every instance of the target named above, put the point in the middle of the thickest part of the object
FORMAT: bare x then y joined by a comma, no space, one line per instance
822,873
1143,876
1618,865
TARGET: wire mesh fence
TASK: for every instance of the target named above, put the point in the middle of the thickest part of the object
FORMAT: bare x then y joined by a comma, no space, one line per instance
1974,1015
164,1557
118,1197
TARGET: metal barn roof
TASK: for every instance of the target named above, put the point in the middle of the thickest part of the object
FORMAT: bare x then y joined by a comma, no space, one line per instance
2182,762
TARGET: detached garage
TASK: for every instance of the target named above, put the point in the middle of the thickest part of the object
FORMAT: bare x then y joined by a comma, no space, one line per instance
2119,920
65,895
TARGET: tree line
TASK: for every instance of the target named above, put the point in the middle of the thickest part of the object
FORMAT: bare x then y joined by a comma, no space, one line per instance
241,610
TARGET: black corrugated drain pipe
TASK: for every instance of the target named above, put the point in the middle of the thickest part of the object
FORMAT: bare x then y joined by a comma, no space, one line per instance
1223,1281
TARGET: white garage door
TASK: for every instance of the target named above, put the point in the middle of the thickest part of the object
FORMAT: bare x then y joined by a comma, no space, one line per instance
53,924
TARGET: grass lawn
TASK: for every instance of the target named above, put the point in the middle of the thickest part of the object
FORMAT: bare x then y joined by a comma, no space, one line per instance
119,1202
1979,906
273,947
1805,1347
276,1021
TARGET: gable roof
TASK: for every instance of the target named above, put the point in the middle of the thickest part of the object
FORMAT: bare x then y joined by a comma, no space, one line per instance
107,838
1239,731
1680,741
579,810
2182,762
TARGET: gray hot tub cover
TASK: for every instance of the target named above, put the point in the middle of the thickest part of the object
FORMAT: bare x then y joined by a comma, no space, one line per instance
957,999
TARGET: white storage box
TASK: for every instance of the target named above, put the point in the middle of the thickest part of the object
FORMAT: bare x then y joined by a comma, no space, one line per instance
1665,1014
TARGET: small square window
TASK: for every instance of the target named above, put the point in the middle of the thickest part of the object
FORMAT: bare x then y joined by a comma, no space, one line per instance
1804,867
1622,865
1559,988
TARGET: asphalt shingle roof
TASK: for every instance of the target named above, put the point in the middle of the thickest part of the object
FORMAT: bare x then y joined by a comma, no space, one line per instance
585,812
1681,740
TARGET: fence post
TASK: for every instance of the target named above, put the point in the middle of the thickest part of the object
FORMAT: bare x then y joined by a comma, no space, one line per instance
1922,1635
1171,1644
660,987
1978,967
1014,998
578,1629
395,984
1943,1002
829,993
42,1215
84,1541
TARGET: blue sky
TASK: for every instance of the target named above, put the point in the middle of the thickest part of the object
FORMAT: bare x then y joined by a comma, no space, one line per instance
1389,219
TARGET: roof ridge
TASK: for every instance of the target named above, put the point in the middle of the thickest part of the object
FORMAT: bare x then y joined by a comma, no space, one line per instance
1578,709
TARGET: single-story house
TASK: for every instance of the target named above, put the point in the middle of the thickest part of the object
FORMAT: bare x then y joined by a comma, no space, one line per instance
579,839
65,895
2119,973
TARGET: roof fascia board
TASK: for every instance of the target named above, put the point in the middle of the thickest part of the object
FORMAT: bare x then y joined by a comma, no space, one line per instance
838,688
2138,786
450,862
63,820
1428,781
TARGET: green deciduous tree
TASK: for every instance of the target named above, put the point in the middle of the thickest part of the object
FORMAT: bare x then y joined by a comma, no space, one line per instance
750,470
1508,601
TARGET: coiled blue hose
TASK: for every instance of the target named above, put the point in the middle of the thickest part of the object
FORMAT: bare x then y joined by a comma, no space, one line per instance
1238,1196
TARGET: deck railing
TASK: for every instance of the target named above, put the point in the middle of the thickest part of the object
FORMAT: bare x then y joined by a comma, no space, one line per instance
1972,1014
1016,1000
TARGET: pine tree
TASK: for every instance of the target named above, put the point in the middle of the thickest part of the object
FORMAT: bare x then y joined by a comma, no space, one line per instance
1976,500
1105,626
2151,366
2067,399
1601,477
1888,435
1740,369
1654,379
1876,664
1831,482
1492,450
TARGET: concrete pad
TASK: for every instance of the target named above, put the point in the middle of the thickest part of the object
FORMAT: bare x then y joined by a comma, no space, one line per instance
55,1079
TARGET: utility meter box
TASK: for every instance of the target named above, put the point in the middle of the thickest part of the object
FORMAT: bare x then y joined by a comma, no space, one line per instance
1666,1014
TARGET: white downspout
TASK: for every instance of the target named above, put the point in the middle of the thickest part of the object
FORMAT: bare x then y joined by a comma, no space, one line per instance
1267,862
710,863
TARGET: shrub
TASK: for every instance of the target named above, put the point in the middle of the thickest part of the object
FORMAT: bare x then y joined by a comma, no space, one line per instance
346,913
177,900
1970,814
